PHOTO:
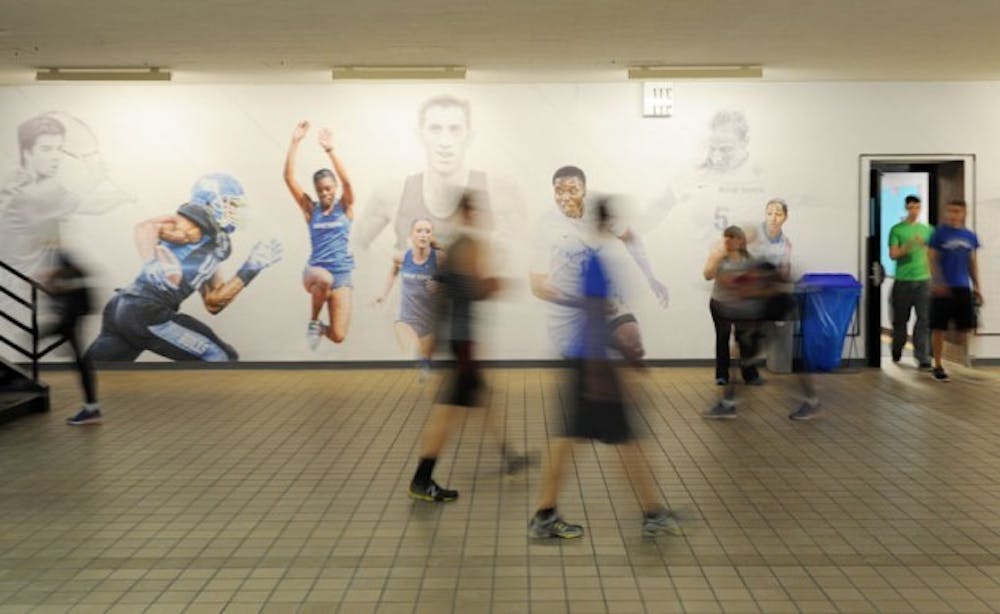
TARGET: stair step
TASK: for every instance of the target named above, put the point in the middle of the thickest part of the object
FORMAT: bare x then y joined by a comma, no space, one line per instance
17,403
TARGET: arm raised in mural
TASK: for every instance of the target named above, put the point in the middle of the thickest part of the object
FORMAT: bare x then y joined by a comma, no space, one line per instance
217,293
303,200
347,196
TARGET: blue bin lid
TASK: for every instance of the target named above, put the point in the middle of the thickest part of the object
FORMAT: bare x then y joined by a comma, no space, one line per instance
828,280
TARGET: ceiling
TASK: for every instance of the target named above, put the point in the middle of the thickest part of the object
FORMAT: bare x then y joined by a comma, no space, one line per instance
792,39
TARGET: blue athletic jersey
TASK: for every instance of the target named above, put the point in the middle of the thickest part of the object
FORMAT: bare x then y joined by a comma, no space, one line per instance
591,339
329,235
198,261
955,247
416,302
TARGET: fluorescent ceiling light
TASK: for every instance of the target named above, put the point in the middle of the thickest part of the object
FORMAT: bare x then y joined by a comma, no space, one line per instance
695,72
102,74
399,72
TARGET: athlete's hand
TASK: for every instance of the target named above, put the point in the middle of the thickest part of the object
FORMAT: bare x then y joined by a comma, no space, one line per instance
263,255
300,131
326,139
659,291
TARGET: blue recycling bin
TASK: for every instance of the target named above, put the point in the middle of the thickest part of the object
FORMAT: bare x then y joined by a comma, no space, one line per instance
827,301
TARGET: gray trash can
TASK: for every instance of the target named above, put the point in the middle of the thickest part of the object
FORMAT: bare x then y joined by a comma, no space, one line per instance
781,346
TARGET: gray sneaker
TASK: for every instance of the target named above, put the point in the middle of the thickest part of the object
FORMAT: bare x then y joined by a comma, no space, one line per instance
661,521
806,411
554,526
721,411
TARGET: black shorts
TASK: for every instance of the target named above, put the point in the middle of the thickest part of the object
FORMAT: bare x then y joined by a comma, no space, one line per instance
957,307
595,404
464,385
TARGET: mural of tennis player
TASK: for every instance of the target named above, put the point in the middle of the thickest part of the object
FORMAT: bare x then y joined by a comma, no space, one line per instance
36,196
181,254
417,267
327,276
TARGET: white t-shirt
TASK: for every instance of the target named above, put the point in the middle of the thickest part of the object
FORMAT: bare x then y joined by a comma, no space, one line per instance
560,248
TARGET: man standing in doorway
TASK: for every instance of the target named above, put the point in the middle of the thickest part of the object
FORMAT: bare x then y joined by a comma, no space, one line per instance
911,289
953,266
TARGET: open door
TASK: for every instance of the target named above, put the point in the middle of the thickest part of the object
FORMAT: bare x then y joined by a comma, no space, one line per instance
885,183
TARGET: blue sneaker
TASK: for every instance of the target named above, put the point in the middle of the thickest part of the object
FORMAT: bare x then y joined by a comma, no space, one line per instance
85,416
806,411
721,411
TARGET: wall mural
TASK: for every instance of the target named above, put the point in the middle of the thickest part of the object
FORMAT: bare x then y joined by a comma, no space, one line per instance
181,191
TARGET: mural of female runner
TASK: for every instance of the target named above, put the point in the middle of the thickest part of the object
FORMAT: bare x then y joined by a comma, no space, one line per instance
327,276
415,325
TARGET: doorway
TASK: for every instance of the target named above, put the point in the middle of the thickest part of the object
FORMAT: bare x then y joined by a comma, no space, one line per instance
885,181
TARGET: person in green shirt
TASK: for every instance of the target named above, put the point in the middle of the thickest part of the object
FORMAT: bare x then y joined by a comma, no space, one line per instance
911,289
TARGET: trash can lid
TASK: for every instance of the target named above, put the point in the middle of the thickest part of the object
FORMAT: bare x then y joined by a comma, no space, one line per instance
828,280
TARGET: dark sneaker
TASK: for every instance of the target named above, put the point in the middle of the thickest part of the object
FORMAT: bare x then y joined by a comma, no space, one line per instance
925,366
431,492
757,381
519,463
806,411
554,526
721,381
659,522
897,357
721,411
940,375
85,416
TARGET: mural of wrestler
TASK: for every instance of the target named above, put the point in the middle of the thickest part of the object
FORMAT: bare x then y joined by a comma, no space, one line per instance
327,276
564,243
445,130
417,267
182,252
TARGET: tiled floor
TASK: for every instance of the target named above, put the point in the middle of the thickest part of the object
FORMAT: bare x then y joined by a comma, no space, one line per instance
283,491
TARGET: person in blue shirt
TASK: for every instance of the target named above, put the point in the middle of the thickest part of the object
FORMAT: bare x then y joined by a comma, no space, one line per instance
955,288
596,407
181,255
327,276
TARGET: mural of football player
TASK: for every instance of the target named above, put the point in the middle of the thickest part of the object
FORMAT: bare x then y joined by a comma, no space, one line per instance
566,241
181,255
415,325
327,276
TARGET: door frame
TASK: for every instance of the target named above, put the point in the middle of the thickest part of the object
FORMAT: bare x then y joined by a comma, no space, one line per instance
865,162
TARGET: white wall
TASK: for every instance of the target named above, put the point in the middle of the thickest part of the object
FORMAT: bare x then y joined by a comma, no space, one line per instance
805,139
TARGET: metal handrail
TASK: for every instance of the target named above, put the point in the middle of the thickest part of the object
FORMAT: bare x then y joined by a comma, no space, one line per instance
34,354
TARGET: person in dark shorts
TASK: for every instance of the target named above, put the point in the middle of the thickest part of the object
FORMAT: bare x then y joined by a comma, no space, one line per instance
69,287
463,282
955,288
596,408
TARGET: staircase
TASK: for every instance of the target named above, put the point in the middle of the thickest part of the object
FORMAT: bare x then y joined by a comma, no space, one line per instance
21,392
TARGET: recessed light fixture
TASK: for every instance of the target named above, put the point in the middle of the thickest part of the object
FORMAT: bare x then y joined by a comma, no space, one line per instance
399,72
695,72
102,74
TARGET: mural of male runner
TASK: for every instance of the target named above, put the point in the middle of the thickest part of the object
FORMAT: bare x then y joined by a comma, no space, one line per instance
445,130
327,276
182,252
